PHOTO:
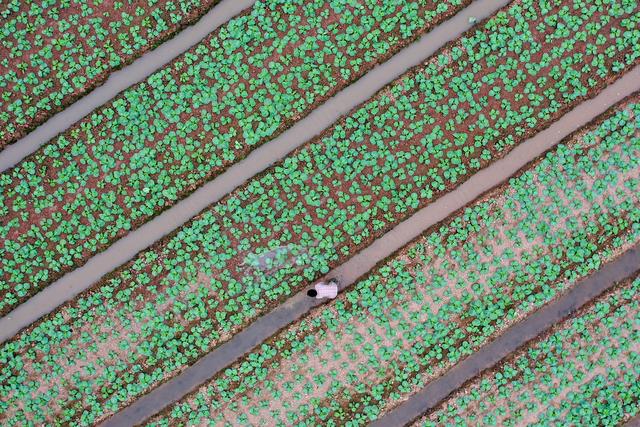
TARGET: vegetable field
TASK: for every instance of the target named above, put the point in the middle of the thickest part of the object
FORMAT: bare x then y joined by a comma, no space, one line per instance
159,140
585,372
437,300
418,138
449,292
54,52
445,295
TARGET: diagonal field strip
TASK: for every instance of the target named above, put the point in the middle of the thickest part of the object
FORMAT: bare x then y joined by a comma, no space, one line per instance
161,139
446,294
320,119
232,263
121,79
379,250
625,266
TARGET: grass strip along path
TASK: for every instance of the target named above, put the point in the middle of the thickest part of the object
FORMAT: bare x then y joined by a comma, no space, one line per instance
443,296
159,140
54,52
174,302
585,371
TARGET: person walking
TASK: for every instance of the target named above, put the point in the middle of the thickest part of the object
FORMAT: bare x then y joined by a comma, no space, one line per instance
324,290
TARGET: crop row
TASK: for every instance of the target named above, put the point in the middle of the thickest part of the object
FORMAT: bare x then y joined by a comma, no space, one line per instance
441,297
585,371
185,295
55,51
159,140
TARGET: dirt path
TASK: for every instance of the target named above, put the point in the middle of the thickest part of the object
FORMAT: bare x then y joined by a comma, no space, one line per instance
514,337
124,249
122,79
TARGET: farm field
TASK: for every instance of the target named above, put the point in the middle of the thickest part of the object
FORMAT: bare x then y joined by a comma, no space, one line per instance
57,51
159,140
461,276
585,371
485,95
462,282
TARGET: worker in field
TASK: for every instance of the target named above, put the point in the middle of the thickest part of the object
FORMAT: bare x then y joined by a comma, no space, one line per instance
324,290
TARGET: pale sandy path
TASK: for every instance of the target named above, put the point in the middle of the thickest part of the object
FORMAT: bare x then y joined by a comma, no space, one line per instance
124,249
587,289
634,422
119,80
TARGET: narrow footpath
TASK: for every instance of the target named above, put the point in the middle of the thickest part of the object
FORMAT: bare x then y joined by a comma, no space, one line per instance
633,422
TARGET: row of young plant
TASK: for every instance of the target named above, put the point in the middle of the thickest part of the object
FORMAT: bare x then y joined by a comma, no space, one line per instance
585,372
198,287
159,140
442,296
55,51
175,302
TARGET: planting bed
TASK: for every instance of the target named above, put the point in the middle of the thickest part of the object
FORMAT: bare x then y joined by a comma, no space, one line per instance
585,371
159,140
54,52
440,298
155,316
